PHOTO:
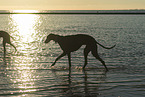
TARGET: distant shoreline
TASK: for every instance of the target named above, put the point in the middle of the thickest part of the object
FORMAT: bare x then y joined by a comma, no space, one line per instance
83,13
89,12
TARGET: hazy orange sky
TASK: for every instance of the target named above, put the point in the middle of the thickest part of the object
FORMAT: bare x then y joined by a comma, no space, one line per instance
71,4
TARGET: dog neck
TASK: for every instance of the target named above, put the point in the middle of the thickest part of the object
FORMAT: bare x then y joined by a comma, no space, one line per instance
56,38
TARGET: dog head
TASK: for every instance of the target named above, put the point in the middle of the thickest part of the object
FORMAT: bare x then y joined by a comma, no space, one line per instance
50,37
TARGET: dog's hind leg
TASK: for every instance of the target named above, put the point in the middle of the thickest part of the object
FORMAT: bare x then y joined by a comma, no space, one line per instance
95,54
63,54
102,63
86,51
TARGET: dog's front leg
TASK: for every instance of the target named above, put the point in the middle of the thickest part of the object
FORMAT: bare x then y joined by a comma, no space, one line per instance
4,45
86,52
69,60
63,54
13,46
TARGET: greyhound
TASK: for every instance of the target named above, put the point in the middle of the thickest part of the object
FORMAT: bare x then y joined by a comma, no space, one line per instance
6,39
72,43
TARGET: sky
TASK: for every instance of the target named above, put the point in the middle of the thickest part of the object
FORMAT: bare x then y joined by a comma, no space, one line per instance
71,4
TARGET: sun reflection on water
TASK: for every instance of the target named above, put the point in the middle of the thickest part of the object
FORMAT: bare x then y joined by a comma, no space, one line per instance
26,81
24,27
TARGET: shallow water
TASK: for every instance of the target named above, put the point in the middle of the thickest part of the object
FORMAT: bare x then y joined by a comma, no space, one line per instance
27,72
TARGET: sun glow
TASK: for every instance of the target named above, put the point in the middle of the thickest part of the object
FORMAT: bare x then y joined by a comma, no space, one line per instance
24,11
25,28
25,25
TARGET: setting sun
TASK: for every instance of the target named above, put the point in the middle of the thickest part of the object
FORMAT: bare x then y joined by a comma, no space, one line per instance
24,11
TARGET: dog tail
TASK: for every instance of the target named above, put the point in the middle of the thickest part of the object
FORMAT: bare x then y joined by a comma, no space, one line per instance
106,47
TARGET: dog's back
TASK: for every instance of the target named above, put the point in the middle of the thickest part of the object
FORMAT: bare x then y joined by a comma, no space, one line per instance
4,34
74,42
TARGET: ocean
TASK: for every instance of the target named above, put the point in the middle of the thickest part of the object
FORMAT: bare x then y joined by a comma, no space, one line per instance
28,71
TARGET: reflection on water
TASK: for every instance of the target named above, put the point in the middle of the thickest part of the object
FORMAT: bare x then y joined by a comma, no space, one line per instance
23,78
58,82
70,83
25,26
27,72
87,87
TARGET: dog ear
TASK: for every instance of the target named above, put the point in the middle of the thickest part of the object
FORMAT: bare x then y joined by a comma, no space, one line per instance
55,42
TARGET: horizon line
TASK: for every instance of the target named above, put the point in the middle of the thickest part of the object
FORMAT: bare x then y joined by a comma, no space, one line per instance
127,11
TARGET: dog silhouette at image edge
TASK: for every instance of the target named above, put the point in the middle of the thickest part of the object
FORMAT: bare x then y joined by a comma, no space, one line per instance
72,43
6,39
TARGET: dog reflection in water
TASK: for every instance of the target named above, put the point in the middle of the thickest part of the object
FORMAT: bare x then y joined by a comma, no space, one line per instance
6,39
72,43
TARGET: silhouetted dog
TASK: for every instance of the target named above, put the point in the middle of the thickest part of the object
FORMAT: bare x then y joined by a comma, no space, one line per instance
6,39
72,43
